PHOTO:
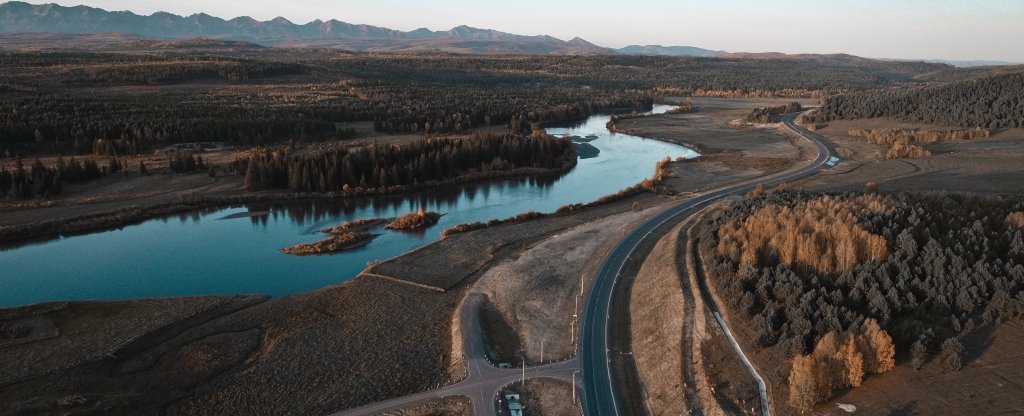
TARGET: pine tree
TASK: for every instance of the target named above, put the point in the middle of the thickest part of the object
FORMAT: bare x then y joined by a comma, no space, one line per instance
953,349
918,354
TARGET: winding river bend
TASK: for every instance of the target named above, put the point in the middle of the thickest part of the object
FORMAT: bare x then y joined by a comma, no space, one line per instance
235,250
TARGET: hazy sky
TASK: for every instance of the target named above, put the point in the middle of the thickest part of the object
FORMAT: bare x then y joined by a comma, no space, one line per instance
941,29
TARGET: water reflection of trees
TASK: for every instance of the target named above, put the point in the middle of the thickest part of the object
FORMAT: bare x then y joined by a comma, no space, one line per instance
441,199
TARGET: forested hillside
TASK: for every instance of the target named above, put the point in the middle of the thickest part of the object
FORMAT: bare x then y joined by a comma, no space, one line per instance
991,102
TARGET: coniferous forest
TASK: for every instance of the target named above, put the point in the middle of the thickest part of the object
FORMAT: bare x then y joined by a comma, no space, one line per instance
423,162
988,102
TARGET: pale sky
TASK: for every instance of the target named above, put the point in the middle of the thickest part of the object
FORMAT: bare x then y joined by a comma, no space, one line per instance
909,29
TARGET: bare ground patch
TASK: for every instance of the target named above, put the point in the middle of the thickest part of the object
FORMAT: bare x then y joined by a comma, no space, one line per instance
656,316
729,153
537,291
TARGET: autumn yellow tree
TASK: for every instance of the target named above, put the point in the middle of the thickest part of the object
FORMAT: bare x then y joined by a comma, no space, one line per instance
822,234
804,384
879,350
852,362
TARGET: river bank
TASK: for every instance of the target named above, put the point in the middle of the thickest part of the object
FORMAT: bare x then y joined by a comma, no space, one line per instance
41,230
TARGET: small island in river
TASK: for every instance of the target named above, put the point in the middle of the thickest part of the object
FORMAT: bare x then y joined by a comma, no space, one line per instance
356,225
414,220
340,238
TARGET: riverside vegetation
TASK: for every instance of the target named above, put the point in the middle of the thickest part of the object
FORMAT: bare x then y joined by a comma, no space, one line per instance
414,220
422,162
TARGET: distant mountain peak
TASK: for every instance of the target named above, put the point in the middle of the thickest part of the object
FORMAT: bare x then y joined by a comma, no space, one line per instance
578,41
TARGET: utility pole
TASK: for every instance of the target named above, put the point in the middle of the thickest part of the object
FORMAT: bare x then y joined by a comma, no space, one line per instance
572,330
524,370
542,351
575,316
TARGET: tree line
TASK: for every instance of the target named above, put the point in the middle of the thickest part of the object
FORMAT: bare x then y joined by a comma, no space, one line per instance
42,181
764,115
992,101
904,143
424,161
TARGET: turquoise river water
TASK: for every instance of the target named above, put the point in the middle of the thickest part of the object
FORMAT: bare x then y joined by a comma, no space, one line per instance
201,253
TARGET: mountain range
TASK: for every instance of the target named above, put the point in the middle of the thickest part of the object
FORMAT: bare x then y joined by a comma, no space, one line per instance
52,25
20,17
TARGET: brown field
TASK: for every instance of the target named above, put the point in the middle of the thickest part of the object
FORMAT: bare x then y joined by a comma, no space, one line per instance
323,351
731,152
988,165
446,263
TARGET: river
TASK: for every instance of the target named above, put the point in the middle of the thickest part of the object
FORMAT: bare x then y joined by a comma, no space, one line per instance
202,252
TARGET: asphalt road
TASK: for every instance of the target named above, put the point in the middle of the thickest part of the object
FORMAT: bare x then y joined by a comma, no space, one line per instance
600,397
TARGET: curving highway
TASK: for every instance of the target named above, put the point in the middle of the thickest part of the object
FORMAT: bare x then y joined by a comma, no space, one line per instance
595,354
